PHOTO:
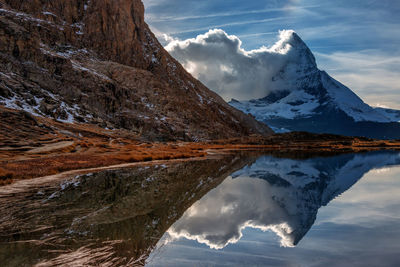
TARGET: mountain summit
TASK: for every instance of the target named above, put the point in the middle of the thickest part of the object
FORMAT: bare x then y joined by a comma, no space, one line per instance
97,62
304,98
299,53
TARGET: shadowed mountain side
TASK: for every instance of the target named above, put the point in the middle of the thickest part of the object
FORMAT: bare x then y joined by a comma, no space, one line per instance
112,217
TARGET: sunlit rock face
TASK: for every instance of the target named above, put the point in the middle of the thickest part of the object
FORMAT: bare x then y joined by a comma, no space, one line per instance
111,218
281,195
98,62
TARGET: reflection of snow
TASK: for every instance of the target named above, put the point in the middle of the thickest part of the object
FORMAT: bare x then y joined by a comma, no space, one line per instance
280,195
218,219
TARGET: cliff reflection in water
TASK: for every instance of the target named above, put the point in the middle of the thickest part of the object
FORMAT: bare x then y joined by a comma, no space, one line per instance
110,218
277,194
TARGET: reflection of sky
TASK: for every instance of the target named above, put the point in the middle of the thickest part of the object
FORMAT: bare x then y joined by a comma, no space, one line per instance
375,198
359,228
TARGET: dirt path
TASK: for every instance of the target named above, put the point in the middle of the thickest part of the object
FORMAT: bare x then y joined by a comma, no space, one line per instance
51,147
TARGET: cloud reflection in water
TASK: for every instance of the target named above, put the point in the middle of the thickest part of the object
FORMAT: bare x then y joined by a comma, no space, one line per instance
280,195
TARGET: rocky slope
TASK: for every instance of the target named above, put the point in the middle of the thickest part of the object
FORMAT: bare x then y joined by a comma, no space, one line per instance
308,99
97,62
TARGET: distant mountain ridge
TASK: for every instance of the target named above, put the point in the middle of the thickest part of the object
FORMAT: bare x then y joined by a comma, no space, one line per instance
97,62
308,99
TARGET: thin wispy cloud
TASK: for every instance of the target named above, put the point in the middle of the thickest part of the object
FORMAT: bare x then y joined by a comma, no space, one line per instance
155,18
241,23
256,34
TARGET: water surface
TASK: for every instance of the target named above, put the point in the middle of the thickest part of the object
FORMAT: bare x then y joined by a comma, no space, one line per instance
336,211
241,210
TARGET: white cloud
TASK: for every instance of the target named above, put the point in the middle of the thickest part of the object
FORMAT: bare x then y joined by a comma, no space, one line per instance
219,61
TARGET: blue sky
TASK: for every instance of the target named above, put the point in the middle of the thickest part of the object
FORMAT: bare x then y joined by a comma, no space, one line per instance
356,41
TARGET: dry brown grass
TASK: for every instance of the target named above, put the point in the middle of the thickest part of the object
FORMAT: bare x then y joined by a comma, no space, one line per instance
100,152
95,147
48,165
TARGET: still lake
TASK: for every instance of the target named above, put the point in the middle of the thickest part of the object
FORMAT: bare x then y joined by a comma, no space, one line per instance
243,209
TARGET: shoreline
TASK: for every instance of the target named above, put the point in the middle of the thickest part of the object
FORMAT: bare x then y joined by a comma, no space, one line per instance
47,165
32,147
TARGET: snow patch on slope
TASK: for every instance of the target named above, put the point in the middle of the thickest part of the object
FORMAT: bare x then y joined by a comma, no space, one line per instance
392,114
296,104
19,103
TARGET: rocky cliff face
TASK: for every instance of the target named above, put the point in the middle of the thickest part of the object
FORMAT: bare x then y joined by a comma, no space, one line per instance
98,62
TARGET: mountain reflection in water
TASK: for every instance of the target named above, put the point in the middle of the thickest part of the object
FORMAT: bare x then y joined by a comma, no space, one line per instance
116,218
111,218
281,195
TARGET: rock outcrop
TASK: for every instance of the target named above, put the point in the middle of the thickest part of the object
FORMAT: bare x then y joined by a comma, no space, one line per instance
98,62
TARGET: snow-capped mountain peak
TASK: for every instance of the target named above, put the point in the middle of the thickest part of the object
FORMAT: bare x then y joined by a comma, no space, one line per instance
294,47
302,97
